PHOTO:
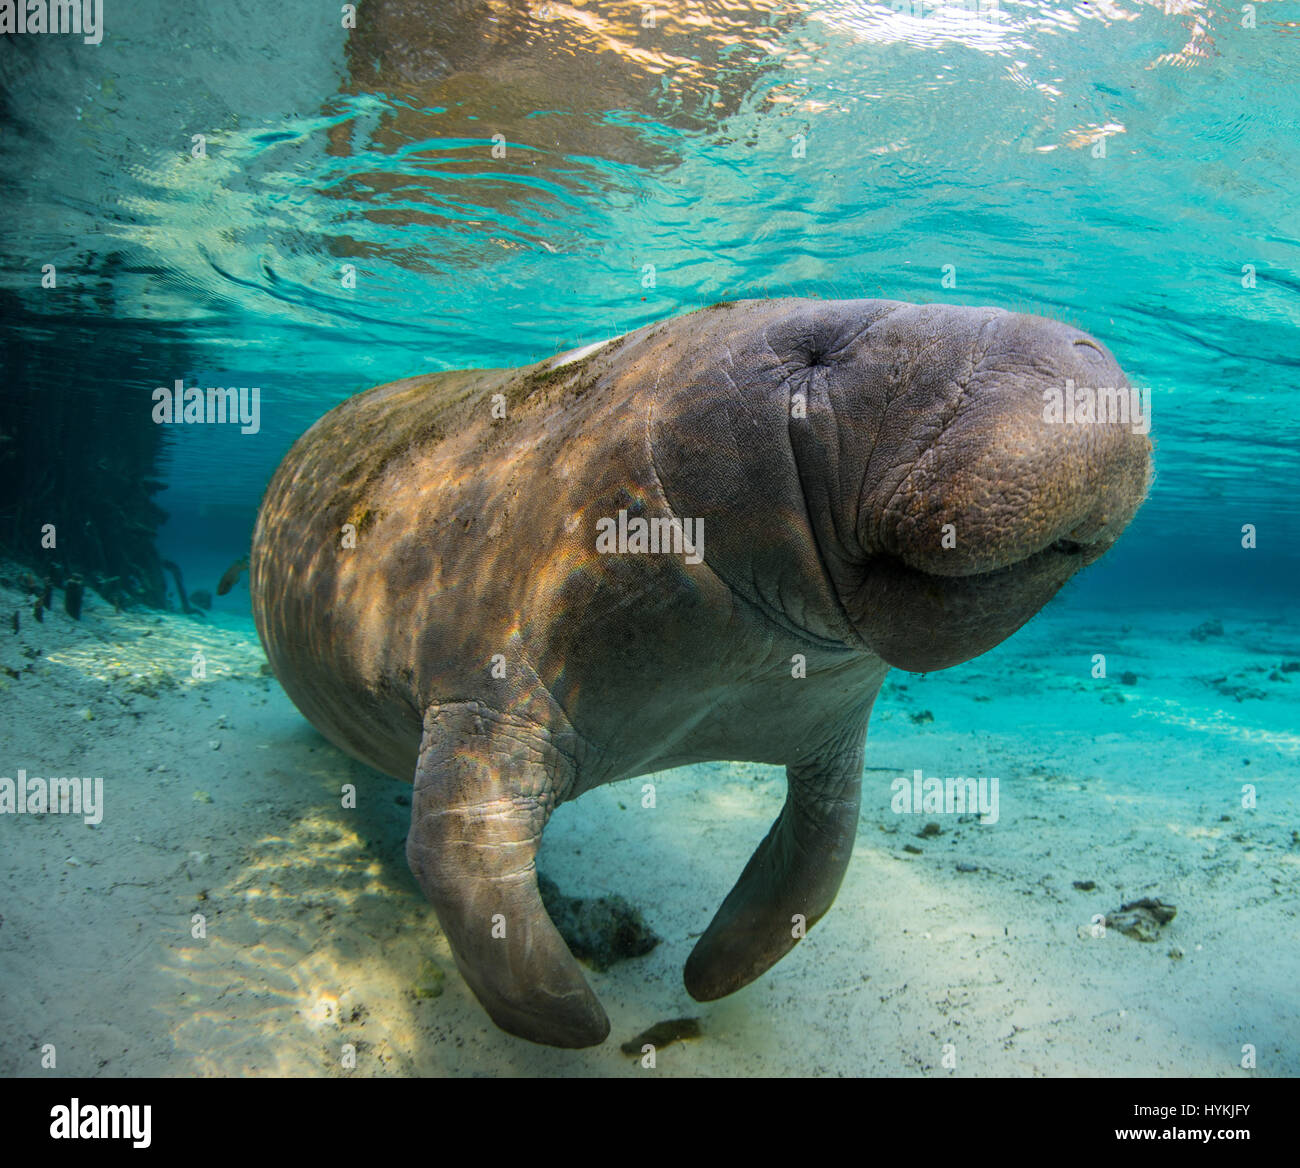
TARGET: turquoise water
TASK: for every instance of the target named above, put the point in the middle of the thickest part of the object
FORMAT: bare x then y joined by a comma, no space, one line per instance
940,138
1132,168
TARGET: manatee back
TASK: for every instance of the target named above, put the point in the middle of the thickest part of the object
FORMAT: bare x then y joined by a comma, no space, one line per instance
306,580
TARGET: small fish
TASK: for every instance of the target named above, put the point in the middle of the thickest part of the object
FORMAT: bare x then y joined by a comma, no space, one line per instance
231,577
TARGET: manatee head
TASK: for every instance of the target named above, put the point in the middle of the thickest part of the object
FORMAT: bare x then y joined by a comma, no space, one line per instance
981,495
897,477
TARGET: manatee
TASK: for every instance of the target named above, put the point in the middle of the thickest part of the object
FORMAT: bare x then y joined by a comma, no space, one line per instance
453,581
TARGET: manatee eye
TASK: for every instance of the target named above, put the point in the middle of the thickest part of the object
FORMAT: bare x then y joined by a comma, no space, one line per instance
1089,344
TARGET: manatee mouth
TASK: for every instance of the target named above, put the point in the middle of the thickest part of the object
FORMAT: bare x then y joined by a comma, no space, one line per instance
1070,555
1065,547
1065,552
921,620
1059,560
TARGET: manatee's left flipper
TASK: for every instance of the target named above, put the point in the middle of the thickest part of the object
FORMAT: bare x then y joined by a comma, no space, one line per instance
486,783
790,881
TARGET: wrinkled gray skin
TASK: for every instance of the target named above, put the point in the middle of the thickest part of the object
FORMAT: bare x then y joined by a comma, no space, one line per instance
475,541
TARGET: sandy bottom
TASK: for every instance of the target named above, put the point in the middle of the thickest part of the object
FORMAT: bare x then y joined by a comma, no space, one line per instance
221,800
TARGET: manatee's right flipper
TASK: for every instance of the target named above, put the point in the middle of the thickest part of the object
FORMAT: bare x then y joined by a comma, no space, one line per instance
485,786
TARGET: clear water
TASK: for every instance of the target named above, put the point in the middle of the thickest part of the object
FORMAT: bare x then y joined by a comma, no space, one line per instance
828,150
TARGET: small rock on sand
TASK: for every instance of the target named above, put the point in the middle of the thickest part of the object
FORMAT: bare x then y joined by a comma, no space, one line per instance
1141,919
